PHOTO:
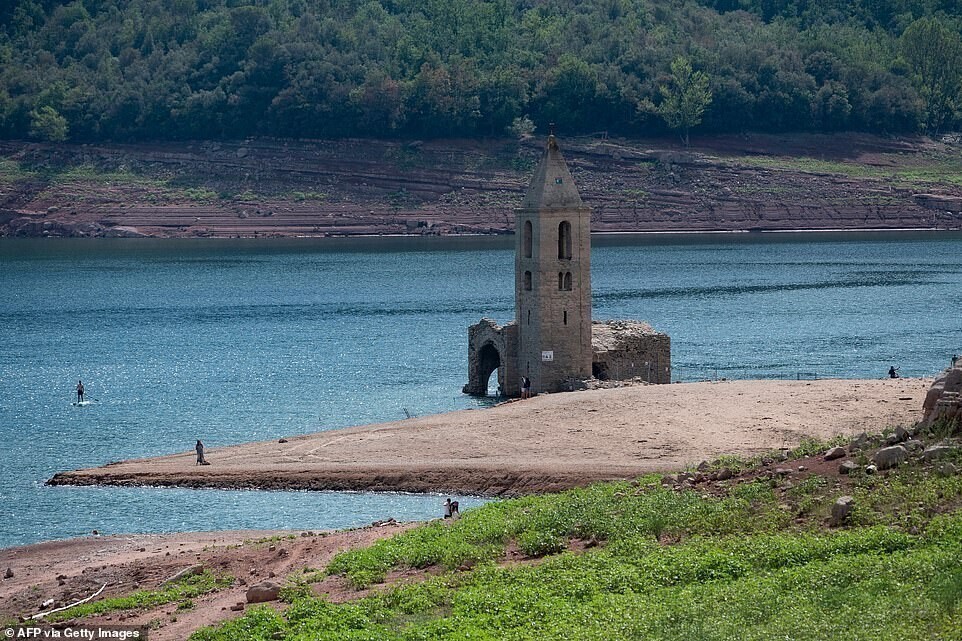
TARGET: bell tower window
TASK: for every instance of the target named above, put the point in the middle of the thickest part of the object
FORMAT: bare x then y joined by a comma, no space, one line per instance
526,239
564,240
527,281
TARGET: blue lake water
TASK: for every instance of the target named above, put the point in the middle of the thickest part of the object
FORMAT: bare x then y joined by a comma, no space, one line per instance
233,341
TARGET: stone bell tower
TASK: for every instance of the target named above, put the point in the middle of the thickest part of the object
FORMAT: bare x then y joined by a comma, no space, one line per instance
553,278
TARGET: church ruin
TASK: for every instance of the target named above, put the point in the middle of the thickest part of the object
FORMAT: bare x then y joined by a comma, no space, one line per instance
553,340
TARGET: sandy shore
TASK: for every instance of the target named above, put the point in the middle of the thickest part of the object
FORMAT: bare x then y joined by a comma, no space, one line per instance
546,443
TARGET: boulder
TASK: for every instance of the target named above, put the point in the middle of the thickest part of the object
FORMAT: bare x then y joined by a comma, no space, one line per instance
847,467
724,474
937,451
8,574
841,510
263,592
901,434
946,469
860,442
889,457
834,453
913,445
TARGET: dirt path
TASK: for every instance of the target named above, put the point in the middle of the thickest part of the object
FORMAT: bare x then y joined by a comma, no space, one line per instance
69,570
546,443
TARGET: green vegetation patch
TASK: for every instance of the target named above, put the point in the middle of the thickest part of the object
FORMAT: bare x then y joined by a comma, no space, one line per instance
748,559
908,172
12,172
542,525
866,583
181,591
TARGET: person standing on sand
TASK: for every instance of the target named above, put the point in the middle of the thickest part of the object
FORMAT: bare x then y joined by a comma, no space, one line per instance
200,453
525,387
80,391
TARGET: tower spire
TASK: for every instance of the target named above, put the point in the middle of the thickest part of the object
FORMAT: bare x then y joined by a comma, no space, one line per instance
553,277
552,186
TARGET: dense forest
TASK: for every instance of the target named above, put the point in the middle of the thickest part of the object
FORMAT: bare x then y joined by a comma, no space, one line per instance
123,70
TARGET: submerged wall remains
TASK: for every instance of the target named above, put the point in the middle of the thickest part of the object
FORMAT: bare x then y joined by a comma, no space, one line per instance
626,350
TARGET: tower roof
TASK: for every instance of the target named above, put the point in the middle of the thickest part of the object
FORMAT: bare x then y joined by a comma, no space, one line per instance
551,186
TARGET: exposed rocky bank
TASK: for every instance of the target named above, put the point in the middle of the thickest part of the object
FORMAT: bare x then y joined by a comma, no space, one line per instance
259,188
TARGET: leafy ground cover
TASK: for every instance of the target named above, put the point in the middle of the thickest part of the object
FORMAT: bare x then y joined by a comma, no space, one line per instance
746,558
180,591
942,169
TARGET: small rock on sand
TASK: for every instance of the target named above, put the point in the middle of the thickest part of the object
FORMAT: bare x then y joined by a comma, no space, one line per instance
889,457
193,570
841,510
847,467
834,453
263,592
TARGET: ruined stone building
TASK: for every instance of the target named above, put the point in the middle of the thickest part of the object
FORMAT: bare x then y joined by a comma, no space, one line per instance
943,403
552,340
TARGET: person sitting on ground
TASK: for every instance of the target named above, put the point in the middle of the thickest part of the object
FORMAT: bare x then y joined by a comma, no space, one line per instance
450,508
80,391
893,371
200,453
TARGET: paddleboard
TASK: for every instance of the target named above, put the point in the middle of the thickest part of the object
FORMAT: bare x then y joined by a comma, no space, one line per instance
82,403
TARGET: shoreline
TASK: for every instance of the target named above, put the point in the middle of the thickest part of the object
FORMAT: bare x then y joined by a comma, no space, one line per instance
510,234
548,443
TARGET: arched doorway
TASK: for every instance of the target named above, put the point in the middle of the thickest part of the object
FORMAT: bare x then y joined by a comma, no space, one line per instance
489,360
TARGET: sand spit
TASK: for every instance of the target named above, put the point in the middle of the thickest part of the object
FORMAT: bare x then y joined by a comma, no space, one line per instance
547,443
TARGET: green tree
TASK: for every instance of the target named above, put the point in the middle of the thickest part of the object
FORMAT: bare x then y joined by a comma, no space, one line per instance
934,53
685,97
47,124
831,107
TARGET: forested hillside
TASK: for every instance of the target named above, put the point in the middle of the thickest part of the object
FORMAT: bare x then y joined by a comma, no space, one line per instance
123,70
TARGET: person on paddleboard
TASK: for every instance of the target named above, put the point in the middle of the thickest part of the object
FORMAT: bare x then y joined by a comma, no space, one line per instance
80,392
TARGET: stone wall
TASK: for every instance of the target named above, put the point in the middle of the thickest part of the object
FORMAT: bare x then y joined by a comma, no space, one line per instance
630,349
492,351
622,350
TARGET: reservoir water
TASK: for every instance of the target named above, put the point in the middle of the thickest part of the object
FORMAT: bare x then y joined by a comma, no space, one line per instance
233,341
